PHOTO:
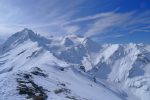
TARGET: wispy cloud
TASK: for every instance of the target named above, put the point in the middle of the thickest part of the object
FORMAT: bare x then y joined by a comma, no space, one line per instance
118,24
63,17
41,15
91,17
71,29
87,18
115,24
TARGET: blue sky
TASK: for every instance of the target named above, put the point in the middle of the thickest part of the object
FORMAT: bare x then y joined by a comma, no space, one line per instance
107,21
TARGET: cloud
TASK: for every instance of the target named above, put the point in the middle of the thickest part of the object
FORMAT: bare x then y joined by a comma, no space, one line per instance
63,17
107,23
91,17
71,29
87,18
114,24
42,15
117,24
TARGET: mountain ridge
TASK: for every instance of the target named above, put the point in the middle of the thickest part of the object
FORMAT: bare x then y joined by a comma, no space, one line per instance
123,67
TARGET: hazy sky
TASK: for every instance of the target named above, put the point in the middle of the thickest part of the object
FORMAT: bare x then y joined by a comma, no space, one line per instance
110,21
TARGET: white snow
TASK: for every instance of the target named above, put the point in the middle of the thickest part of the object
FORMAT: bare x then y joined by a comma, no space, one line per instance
113,71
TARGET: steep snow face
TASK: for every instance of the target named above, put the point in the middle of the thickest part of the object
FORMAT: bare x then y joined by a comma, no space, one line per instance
127,65
72,67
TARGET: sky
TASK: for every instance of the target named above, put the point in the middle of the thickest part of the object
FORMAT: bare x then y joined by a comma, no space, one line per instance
106,21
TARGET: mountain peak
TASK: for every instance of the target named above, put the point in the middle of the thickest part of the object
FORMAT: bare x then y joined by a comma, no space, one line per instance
27,32
71,39
22,36
18,38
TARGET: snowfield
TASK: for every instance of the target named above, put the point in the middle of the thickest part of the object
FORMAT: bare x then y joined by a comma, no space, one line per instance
33,67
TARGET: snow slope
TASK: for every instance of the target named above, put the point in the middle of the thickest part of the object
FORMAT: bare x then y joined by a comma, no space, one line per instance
72,68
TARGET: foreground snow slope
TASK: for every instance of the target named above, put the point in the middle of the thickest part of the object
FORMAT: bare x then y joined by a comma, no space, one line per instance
72,68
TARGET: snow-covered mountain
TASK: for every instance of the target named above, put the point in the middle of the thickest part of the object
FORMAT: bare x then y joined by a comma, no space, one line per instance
72,68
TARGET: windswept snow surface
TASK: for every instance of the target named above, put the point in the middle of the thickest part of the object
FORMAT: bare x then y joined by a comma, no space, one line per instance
72,68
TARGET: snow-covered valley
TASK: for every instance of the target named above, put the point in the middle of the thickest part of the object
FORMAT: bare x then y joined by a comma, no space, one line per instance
33,67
